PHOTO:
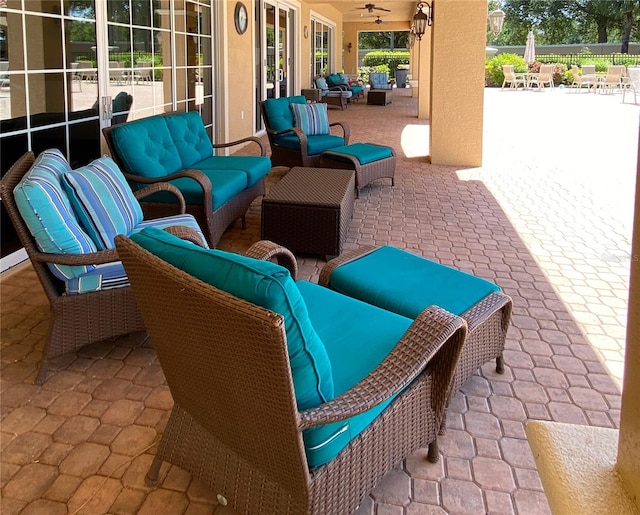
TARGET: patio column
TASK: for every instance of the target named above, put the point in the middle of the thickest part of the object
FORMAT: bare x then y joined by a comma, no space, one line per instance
458,40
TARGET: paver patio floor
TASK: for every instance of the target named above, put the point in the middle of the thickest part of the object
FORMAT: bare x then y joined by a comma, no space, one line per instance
548,217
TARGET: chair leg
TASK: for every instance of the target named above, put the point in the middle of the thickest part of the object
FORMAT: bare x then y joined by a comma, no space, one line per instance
433,455
151,479
500,364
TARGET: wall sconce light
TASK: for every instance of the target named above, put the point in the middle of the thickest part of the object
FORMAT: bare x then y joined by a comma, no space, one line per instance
349,47
496,19
411,39
422,19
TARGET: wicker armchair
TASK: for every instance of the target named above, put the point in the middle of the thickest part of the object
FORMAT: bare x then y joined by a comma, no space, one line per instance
111,312
290,146
244,437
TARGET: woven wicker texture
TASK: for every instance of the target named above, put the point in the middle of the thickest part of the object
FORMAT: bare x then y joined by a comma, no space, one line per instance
213,223
76,320
243,438
488,321
309,210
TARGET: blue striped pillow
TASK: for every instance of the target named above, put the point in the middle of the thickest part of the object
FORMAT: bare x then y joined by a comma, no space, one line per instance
311,118
46,211
103,201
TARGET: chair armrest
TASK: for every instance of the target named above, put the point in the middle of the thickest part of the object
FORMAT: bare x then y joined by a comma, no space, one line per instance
185,233
346,130
339,87
253,139
435,337
266,250
93,258
162,186
481,311
196,175
279,133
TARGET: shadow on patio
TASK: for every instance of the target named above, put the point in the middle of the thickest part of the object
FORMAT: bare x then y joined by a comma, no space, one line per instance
88,432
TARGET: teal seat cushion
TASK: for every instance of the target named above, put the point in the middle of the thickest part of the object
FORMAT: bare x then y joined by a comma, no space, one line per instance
146,148
364,152
278,113
102,200
404,283
337,79
315,144
190,137
262,283
256,167
356,89
47,212
357,337
225,185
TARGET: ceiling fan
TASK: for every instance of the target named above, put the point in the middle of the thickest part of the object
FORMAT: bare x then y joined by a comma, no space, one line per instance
378,21
372,7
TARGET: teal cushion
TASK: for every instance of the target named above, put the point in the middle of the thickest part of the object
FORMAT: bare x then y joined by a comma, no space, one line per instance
190,137
225,185
256,167
278,113
357,337
404,283
46,211
337,79
145,147
311,118
103,201
263,283
315,144
364,152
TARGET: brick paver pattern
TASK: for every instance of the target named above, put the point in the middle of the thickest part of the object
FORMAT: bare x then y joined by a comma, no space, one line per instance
548,217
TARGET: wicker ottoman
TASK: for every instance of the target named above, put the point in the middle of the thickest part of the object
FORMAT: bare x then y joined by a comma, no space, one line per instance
379,97
369,161
405,283
309,210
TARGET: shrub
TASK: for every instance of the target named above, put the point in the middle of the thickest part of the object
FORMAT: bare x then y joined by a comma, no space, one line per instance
493,67
390,59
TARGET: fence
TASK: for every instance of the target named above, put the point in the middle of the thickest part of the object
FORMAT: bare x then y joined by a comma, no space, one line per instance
601,61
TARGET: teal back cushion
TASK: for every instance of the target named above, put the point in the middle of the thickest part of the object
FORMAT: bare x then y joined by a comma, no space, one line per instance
278,113
47,212
146,148
262,283
336,79
190,137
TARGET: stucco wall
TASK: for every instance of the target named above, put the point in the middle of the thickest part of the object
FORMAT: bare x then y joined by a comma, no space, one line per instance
629,444
457,81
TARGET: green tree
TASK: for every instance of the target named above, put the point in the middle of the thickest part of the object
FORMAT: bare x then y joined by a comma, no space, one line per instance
383,40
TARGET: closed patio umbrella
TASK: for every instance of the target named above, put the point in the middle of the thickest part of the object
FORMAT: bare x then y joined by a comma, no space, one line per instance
530,48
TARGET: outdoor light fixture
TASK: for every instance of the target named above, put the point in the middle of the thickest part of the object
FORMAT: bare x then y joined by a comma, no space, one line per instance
411,39
496,19
422,19
349,47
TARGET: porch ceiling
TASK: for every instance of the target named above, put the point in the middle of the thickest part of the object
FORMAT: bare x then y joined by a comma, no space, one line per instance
400,10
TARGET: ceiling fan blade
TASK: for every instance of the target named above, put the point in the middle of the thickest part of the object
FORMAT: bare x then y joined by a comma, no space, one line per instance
382,9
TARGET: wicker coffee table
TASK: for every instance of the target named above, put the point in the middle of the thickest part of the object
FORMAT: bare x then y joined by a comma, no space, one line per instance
309,210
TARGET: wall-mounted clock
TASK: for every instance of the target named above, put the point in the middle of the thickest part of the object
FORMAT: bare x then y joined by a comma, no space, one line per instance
241,18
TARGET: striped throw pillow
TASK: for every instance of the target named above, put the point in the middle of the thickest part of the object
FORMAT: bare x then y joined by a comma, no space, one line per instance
46,211
311,118
103,201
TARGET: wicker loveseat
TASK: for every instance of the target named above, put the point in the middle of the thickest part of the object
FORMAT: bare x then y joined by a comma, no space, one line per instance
176,148
289,398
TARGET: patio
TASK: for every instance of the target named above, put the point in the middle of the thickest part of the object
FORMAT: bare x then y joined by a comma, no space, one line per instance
548,217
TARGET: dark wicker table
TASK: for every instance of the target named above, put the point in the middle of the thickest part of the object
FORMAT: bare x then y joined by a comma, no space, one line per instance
309,210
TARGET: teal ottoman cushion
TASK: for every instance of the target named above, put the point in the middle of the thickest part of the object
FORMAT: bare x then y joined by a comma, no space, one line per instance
365,153
262,283
357,338
404,283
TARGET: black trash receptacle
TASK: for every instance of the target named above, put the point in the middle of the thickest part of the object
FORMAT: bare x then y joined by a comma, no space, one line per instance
401,78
